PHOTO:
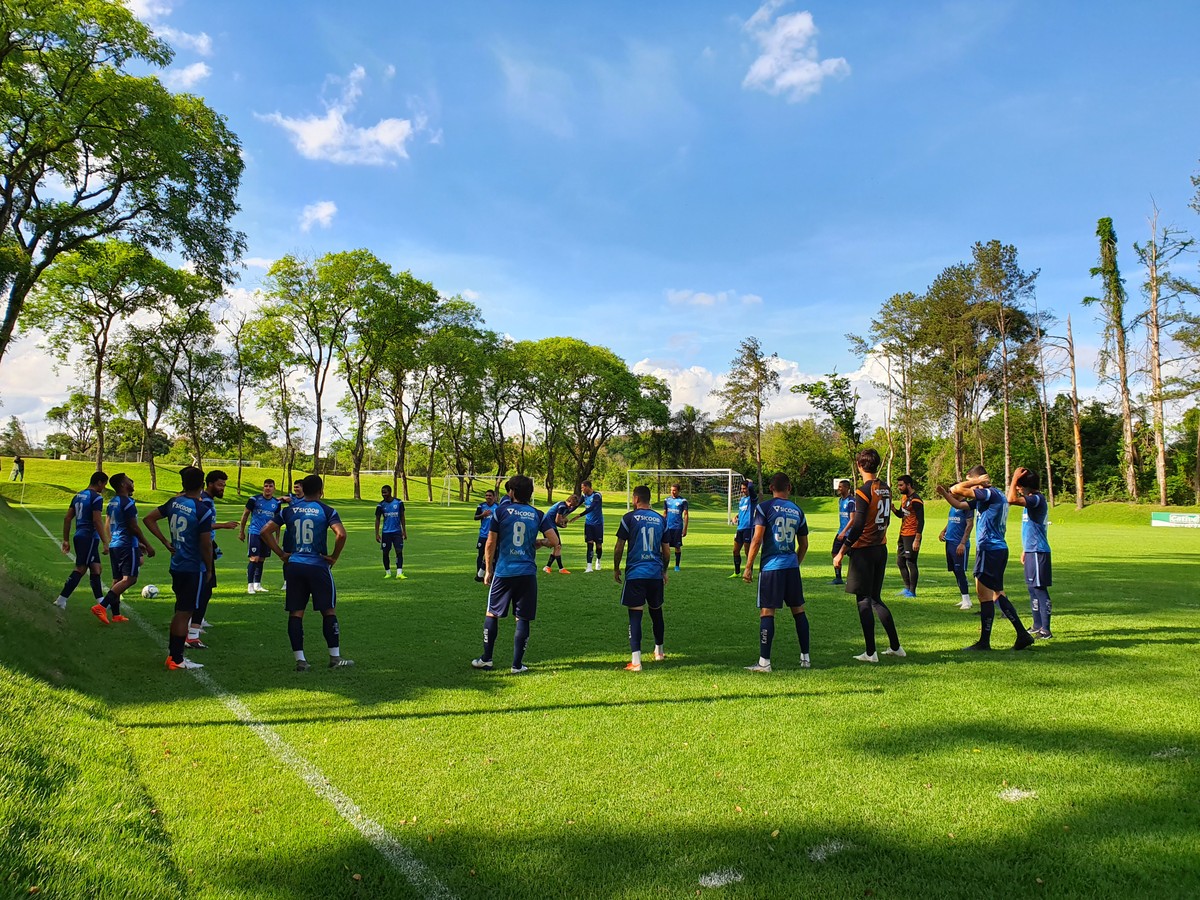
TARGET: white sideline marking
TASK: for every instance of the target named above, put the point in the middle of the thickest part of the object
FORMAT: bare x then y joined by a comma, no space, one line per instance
720,878
380,838
822,852
1015,795
1168,753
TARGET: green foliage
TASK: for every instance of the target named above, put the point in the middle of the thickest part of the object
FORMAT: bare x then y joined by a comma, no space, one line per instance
751,383
13,441
836,399
157,168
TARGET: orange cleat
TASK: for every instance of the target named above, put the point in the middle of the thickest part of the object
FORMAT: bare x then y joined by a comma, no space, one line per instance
633,667
120,618
100,613
564,571
186,664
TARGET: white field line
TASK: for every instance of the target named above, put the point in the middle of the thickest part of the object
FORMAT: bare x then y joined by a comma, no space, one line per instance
403,861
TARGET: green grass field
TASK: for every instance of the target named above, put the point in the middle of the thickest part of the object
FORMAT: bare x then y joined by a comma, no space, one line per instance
1070,770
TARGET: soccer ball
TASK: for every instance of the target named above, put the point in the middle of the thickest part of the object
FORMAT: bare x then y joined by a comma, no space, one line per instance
150,591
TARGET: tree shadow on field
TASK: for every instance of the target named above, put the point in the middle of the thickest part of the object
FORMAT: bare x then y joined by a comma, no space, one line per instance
515,710
999,850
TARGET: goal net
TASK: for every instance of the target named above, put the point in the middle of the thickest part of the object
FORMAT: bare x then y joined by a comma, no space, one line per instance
709,487
461,487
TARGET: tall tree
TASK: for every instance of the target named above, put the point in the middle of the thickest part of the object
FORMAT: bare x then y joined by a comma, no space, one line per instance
503,398
13,440
751,383
457,365
274,370
311,310
1116,344
839,401
1004,289
1162,291
239,368
199,377
691,433
90,150
74,417
892,336
385,307
1076,419
84,296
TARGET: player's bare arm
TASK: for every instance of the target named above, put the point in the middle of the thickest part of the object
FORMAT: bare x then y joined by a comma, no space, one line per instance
1015,497
242,526
339,533
755,544
268,537
618,555
801,548
150,520
490,552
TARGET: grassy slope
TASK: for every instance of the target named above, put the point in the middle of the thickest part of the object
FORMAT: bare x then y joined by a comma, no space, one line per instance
582,780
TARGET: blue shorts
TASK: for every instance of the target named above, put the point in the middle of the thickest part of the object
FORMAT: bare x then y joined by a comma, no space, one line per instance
305,582
989,568
87,549
256,547
778,588
518,592
744,536
673,537
838,543
593,534
188,588
642,592
126,562
1037,569
391,540
954,562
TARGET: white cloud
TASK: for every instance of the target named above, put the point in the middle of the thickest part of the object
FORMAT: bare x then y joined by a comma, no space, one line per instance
541,95
788,63
331,138
258,262
187,77
149,10
198,43
468,294
319,213
705,299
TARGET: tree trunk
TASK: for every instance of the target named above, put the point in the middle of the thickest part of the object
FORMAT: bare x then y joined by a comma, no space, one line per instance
758,443
1156,380
1075,420
1004,404
1128,461
153,471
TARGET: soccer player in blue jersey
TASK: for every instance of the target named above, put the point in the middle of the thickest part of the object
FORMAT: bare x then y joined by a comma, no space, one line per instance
845,492
745,529
214,490
126,548
389,515
557,516
510,570
1035,546
957,537
190,521
593,524
260,509
991,556
781,533
644,530
676,508
87,512
483,515
308,567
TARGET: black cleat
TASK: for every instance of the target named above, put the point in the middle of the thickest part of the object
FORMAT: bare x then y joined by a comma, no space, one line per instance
979,645
1024,639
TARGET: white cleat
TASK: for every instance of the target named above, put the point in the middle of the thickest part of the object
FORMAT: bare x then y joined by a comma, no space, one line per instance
204,623
189,664
899,651
759,667
61,602
964,604
518,670
259,589
868,657
481,664
250,589
588,569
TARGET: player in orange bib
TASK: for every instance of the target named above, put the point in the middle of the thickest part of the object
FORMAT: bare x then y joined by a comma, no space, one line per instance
867,537
912,524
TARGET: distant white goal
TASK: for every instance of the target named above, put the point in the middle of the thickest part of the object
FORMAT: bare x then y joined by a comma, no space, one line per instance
454,485
712,485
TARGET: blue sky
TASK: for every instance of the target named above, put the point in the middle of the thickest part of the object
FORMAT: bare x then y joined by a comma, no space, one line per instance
668,178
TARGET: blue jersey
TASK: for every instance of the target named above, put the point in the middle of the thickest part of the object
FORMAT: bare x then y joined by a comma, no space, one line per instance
594,512
86,503
558,509
676,507
308,522
517,525
745,512
642,530
262,511
784,522
211,505
122,511
1033,524
187,519
991,520
485,524
390,511
845,512
956,524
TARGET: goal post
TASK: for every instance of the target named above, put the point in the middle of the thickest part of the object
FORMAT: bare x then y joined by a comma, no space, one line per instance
716,482
455,485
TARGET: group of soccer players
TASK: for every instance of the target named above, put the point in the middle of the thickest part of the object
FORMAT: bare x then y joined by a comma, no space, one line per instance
297,527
